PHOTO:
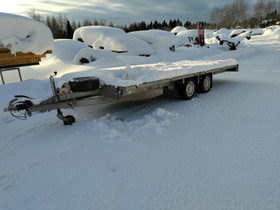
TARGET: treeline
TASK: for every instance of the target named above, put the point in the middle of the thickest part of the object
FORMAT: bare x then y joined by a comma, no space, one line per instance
61,27
240,13
168,26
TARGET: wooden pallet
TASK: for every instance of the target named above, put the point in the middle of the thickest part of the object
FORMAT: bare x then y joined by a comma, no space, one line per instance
8,60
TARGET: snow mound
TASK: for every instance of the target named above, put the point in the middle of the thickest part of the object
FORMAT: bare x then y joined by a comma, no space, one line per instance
93,55
188,33
158,39
178,29
88,34
273,32
23,34
186,36
66,49
123,43
223,33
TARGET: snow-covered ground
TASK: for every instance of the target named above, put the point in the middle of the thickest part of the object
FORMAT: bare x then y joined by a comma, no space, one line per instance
220,150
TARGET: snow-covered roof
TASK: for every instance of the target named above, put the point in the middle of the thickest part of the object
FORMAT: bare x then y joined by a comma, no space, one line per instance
22,34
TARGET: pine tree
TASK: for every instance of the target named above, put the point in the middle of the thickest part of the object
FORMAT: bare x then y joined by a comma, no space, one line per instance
70,30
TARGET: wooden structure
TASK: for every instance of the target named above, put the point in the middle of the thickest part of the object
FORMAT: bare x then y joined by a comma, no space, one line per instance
9,61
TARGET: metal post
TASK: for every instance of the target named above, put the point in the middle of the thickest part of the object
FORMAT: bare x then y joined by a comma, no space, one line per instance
19,74
2,77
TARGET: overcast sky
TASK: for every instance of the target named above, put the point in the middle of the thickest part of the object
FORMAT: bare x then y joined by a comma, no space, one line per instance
118,11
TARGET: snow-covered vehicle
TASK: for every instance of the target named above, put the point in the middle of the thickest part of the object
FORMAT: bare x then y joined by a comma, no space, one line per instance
157,39
178,29
234,38
138,82
112,39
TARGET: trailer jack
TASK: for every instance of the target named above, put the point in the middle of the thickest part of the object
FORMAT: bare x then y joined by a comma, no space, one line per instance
67,120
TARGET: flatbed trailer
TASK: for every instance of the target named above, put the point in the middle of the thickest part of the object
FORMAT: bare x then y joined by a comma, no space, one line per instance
90,92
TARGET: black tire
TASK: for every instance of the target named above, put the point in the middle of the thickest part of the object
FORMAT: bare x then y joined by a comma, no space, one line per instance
205,83
187,90
69,120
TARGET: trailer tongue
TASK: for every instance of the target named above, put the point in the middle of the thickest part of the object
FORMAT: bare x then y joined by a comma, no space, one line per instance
86,91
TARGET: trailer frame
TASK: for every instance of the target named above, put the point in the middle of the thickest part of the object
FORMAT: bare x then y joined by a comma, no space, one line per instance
187,85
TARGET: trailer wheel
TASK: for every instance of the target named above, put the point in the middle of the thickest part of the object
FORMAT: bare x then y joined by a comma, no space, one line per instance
205,83
187,90
69,120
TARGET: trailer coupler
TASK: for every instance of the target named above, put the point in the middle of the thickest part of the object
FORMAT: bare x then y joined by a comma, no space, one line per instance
20,108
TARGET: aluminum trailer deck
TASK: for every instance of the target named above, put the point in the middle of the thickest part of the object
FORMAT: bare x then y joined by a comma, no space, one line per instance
187,85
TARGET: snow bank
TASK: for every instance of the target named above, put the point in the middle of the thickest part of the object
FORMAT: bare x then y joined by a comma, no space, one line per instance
21,34
273,32
158,39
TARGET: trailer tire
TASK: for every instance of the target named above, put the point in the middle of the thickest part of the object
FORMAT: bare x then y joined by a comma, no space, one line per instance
69,120
187,90
205,83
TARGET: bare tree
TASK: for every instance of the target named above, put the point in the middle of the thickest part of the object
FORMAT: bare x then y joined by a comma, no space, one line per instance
240,9
215,16
270,6
34,15
259,11
227,16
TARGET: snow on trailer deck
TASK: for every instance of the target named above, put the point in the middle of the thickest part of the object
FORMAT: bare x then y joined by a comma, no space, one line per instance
156,76
132,75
